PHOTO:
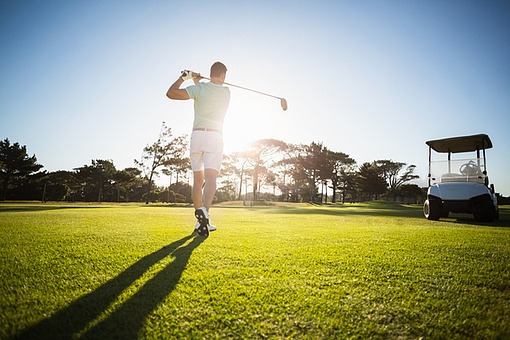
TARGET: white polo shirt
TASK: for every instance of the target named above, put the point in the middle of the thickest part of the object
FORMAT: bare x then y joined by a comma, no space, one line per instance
211,104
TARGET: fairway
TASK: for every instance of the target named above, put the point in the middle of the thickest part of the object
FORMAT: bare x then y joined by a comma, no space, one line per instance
377,270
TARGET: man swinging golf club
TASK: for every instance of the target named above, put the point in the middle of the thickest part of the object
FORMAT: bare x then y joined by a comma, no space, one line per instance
206,145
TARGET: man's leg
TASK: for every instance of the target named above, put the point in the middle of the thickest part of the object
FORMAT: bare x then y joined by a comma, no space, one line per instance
198,182
210,187
201,215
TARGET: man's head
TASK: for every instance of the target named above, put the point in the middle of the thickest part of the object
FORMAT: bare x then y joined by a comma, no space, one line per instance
219,71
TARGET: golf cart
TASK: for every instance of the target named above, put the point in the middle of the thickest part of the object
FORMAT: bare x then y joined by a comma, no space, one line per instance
460,185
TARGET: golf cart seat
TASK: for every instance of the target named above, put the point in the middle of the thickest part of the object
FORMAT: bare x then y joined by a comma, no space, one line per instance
452,177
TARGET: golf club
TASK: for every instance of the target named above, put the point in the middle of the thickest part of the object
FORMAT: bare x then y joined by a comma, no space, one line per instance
283,102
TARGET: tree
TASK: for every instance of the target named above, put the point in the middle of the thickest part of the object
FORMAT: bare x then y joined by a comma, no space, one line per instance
294,184
261,154
97,180
126,180
226,191
310,164
371,180
271,180
336,169
349,184
15,164
411,193
287,172
393,175
163,152
177,161
179,193
57,185
231,169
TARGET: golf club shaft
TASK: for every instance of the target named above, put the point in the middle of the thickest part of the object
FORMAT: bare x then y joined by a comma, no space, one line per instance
245,88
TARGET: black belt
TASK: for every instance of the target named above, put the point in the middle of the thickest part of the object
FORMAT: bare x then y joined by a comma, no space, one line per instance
206,129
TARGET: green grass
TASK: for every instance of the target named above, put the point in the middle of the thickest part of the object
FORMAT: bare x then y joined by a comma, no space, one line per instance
292,271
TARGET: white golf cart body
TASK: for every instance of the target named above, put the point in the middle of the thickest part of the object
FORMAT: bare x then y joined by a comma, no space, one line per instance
459,183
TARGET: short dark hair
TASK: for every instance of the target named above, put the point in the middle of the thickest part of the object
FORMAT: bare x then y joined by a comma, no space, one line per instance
218,69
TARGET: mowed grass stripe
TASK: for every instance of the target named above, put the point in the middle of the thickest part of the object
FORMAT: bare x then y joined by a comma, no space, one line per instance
366,270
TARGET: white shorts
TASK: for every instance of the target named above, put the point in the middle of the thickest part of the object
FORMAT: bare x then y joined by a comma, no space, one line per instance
206,150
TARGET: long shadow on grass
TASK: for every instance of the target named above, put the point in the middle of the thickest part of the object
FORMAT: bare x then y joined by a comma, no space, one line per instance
126,321
395,210
468,220
385,209
29,208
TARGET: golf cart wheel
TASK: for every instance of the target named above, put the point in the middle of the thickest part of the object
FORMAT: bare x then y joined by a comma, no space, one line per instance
432,209
484,211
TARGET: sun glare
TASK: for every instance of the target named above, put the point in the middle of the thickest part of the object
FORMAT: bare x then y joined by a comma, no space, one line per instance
250,117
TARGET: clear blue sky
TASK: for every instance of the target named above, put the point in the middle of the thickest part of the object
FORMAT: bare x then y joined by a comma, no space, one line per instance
83,80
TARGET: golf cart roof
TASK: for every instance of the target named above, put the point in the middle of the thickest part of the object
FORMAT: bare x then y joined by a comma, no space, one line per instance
461,144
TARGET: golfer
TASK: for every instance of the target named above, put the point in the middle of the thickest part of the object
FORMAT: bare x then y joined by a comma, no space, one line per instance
206,145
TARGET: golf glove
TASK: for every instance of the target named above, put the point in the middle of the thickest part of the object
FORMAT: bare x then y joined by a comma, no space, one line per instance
187,74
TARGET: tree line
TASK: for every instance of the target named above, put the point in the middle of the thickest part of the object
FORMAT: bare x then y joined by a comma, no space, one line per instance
269,169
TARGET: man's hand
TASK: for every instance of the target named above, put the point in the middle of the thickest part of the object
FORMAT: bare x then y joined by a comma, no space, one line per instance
187,75
196,77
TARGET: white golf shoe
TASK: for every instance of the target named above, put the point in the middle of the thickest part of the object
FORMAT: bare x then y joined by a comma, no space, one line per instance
203,225
211,227
203,220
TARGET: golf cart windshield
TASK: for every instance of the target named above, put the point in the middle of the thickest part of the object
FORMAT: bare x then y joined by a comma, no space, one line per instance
458,170
469,166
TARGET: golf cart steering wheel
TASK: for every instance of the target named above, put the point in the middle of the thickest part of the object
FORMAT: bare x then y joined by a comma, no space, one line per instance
469,169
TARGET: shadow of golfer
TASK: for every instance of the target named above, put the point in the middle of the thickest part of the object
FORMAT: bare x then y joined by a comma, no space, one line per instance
130,316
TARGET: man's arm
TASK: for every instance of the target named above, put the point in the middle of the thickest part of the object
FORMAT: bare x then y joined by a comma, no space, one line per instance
175,91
